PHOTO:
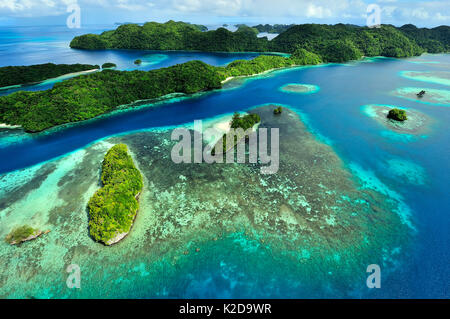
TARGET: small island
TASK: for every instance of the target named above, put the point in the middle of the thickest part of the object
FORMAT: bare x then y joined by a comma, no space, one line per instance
108,65
416,123
113,207
397,115
138,62
23,234
278,110
245,123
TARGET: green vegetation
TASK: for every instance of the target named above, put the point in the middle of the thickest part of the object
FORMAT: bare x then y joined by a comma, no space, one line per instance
108,65
19,234
138,62
434,40
170,36
90,95
278,110
245,123
15,75
264,63
397,115
333,43
339,43
244,28
113,207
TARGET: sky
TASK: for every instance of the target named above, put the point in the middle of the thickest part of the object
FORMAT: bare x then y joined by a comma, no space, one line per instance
213,12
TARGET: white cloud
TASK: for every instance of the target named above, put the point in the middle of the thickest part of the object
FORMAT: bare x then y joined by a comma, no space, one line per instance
314,11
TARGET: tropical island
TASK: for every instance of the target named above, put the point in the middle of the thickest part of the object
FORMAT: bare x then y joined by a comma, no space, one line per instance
240,125
23,75
399,119
278,110
22,234
334,43
113,208
397,115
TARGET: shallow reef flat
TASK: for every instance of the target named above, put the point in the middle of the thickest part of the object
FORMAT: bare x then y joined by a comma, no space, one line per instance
205,230
417,123
438,77
432,96
300,88
152,59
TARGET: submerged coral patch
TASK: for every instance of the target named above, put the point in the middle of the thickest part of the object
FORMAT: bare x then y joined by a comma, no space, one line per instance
438,77
300,88
152,59
431,96
405,170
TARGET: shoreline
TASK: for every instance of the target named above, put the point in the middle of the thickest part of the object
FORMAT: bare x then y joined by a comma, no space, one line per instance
8,126
264,72
63,76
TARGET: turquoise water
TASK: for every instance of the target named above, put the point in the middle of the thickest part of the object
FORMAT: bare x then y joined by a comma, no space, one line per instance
410,169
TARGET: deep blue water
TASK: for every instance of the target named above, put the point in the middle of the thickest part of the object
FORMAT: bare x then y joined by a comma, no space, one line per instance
334,114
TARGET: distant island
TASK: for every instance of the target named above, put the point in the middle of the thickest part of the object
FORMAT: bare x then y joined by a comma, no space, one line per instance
277,28
113,207
22,75
334,43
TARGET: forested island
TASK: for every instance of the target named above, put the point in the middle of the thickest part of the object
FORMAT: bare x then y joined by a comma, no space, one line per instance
91,95
334,43
397,115
113,207
21,75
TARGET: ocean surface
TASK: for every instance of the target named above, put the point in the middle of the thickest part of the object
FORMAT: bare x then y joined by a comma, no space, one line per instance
411,165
